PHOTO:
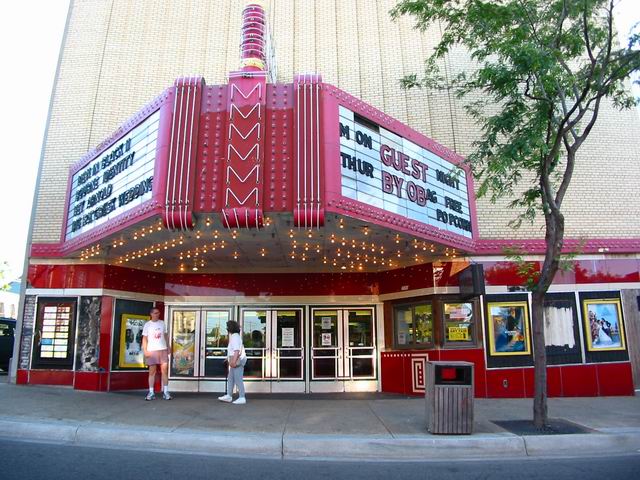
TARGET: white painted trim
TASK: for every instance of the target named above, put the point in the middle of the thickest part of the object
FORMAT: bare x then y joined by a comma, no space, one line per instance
63,261
379,343
173,127
74,292
49,292
268,301
578,306
419,293
189,161
533,258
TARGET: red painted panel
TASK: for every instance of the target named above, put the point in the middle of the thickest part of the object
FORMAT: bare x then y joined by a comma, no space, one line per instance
22,377
212,148
93,381
278,176
129,381
623,270
273,284
66,276
528,375
414,277
590,271
95,276
554,382
565,277
392,374
475,356
132,280
579,381
504,273
51,377
615,379
106,315
505,383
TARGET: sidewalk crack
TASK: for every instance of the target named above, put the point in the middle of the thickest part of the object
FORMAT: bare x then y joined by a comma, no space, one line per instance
284,430
380,420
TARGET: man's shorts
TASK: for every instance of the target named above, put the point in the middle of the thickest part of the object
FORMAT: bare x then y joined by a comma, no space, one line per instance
157,357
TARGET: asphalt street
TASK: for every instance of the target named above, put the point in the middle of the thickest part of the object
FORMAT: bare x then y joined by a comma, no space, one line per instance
30,460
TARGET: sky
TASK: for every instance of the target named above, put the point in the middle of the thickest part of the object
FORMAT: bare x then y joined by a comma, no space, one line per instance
30,37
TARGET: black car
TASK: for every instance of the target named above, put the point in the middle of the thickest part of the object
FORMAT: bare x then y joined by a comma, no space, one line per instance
7,328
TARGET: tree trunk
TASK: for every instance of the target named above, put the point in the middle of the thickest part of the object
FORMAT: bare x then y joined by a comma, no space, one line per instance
554,238
539,361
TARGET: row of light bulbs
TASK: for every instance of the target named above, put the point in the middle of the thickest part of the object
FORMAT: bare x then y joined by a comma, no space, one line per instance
302,251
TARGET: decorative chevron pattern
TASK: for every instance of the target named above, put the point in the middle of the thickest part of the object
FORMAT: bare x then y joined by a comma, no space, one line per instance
242,191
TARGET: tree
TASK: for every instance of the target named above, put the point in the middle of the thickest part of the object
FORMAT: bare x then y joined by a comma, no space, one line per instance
4,266
543,70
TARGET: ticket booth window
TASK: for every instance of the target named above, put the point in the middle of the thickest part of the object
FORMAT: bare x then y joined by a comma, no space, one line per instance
413,325
459,323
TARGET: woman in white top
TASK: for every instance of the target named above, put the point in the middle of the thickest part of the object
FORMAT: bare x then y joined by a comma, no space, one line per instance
237,359
155,347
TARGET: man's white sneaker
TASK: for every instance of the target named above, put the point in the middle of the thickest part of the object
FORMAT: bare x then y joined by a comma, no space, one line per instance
225,398
150,396
240,401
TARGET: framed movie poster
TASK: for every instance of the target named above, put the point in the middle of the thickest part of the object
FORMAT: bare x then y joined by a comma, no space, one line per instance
603,326
508,330
131,354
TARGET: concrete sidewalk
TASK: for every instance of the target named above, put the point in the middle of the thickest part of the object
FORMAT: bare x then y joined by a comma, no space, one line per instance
337,426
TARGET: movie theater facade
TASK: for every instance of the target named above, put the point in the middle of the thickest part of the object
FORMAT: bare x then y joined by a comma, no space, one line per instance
344,242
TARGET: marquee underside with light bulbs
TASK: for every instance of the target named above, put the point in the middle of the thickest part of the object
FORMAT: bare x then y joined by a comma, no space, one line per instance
252,176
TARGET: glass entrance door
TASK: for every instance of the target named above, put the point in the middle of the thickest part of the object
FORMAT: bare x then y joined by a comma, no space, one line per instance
273,340
198,348
343,349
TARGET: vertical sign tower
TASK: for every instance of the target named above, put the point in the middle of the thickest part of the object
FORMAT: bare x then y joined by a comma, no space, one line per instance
243,189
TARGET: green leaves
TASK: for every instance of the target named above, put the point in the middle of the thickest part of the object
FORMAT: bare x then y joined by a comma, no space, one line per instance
542,68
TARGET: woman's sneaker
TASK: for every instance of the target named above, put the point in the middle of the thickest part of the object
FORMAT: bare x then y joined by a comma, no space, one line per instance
150,396
166,396
225,398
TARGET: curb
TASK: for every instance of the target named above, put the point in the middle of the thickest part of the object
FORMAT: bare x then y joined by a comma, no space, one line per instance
186,441
323,447
407,448
582,444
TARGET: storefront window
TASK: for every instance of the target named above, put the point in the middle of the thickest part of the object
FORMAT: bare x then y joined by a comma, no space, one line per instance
54,333
458,323
413,325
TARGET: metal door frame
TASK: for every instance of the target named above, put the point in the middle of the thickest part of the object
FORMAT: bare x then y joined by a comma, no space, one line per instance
203,335
343,381
270,357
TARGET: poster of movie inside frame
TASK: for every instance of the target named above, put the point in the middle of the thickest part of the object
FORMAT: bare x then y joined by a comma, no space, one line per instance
131,354
603,324
508,328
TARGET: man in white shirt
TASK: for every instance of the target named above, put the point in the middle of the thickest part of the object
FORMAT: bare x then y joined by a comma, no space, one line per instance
155,343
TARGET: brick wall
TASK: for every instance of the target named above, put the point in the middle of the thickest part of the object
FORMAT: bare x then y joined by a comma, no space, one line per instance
119,54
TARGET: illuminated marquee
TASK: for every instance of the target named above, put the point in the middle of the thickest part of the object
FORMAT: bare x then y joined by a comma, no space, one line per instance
118,180
384,170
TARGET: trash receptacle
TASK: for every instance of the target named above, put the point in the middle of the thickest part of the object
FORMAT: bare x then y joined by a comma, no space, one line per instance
449,397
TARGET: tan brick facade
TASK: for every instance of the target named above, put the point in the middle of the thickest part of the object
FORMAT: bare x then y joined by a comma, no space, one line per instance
119,54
